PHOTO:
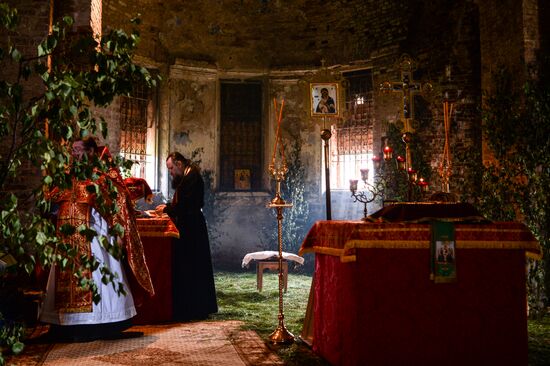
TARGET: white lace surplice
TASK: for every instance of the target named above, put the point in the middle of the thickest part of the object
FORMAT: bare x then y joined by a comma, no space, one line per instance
112,307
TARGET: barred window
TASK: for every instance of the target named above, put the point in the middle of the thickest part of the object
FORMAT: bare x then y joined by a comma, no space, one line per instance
351,145
241,136
133,129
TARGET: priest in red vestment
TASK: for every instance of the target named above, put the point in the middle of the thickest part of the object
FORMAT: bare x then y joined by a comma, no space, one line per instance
69,307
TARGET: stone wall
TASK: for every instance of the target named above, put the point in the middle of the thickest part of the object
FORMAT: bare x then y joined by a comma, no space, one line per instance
117,15
510,37
247,40
33,26
285,45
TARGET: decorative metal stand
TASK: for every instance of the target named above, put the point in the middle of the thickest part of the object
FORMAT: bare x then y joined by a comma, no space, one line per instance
404,169
280,335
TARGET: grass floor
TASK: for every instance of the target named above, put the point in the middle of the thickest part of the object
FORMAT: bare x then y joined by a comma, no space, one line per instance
239,299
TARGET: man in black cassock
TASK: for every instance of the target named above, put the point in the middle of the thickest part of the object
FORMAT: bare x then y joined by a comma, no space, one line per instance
194,293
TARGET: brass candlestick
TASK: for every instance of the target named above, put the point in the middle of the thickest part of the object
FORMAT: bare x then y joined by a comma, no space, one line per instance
280,335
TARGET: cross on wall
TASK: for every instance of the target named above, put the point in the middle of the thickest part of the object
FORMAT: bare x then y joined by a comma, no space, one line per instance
408,87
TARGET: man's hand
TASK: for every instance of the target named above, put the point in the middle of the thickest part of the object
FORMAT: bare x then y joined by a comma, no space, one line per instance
159,210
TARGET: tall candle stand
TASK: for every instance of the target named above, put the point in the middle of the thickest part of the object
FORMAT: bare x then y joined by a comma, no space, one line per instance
280,335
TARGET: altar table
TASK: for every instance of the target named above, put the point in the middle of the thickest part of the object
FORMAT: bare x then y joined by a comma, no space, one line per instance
374,303
156,235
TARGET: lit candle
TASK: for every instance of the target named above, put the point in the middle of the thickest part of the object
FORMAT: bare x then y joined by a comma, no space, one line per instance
412,175
401,162
387,153
376,162
423,185
353,185
364,174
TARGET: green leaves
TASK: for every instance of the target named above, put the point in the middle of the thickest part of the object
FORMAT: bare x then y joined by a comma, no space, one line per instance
88,233
9,17
514,186
15,54
83,75
10,335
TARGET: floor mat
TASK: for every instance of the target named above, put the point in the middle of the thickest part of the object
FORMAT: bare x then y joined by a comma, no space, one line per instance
194,344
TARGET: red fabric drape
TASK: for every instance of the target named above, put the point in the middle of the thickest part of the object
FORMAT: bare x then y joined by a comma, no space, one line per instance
384,310
156,235
374,302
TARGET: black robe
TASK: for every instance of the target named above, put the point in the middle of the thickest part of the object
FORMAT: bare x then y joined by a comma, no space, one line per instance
194,293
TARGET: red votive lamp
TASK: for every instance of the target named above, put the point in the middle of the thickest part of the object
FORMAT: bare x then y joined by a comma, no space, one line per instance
423,185
412,175
388,153
401,162
376,162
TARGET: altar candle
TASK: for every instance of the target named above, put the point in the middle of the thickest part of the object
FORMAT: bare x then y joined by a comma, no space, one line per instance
423,185
387,153
364,174
279,123
353,185
412,174
277,134
401,162
376,162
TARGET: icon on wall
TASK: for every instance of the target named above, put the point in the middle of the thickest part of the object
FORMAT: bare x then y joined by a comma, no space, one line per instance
242,179
324,99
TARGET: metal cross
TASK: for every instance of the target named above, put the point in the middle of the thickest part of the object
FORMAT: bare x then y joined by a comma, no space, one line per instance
408,87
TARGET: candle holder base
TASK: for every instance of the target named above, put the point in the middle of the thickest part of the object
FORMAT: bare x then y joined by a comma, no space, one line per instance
281,336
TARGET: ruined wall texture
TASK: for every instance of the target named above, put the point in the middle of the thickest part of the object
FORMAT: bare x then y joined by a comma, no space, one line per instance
33,26
512,35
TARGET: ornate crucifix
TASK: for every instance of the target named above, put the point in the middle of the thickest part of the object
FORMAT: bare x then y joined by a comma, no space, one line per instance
408,87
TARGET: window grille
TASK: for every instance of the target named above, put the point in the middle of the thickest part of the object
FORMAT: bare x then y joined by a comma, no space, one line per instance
241,136
133,129
351,146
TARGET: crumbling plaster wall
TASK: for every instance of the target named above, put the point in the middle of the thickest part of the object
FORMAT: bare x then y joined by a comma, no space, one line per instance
282,43
238,221
283,46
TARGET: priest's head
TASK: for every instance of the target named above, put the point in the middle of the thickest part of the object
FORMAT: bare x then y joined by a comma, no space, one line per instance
84,149
176,164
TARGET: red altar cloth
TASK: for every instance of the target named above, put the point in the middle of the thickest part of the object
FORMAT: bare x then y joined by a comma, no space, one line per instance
156,235
374,302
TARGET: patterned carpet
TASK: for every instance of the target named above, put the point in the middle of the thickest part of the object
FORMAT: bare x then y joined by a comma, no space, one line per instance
193,344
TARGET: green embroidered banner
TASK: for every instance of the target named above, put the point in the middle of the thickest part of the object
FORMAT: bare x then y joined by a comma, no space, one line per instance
443,252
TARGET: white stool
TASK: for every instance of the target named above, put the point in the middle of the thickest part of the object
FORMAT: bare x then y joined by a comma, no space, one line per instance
269,259
270,265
